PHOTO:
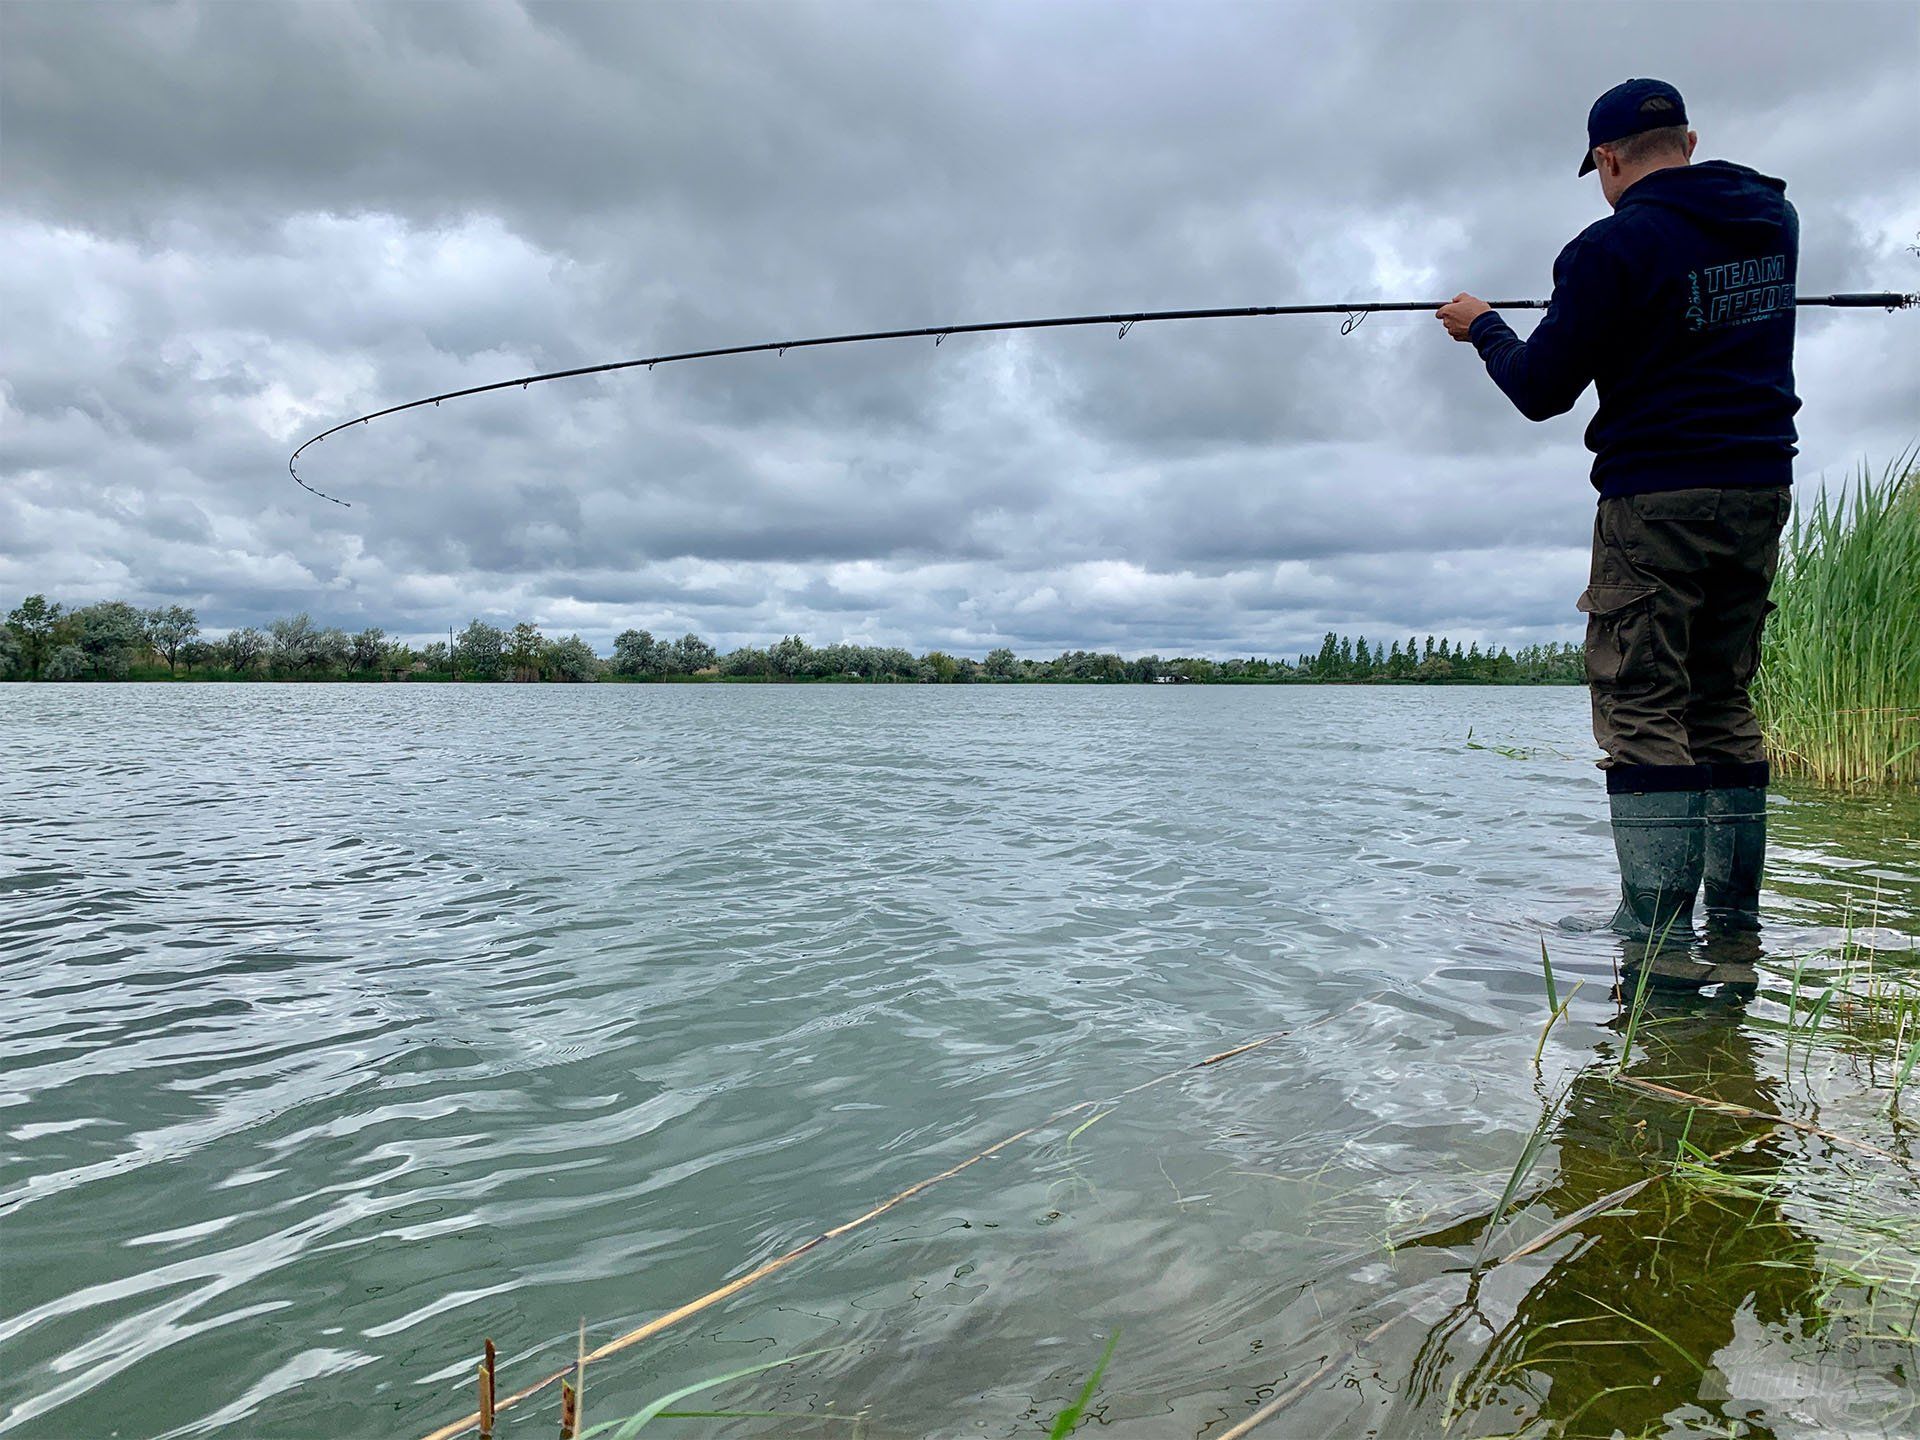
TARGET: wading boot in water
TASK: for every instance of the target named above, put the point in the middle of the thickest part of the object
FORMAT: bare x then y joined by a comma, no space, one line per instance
1658,836
1736,853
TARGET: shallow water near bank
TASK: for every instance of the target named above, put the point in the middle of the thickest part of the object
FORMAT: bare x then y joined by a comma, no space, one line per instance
343,1027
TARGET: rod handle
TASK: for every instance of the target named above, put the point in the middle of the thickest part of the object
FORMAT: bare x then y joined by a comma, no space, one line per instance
1887,300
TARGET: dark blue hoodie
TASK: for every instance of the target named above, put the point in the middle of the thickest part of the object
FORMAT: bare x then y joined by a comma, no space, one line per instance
1679,308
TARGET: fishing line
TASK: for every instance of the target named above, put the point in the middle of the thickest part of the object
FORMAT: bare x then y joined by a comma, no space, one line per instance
1353,313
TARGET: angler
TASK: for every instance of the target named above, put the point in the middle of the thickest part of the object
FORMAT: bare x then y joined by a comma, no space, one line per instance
1679,309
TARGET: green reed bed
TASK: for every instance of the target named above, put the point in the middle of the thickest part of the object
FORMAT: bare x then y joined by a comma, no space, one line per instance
1839,684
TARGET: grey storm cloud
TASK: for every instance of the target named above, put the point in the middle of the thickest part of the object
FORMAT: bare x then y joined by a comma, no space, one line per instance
227,226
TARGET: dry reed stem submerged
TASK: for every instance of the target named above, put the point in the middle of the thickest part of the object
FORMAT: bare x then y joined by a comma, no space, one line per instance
780,1262
1303,1387
1726,1107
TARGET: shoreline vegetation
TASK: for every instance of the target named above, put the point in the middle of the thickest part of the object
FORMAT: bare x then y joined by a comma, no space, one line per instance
1838,690
44,640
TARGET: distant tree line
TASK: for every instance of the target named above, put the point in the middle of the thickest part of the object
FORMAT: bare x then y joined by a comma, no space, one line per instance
116,641
1340,658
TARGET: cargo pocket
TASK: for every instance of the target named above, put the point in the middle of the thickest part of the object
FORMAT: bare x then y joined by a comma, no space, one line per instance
1663,530
1618,631
1688,505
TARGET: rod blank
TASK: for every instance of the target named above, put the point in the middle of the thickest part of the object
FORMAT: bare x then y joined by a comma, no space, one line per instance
937,333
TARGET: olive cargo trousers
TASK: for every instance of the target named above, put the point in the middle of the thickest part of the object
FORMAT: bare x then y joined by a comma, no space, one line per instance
1674,608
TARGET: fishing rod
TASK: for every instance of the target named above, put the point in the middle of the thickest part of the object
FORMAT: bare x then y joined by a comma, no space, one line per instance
1355,312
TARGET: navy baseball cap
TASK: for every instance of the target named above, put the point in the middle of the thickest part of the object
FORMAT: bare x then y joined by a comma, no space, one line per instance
1629,108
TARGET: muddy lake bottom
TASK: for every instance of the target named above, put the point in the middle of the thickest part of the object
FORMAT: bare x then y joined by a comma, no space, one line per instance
343,1027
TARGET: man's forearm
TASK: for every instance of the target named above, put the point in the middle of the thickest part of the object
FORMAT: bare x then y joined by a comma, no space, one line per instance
1515,370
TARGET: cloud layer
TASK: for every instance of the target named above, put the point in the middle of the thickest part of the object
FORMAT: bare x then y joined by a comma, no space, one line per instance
225,227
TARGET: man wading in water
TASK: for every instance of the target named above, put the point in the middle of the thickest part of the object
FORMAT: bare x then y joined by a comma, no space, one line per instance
1679,307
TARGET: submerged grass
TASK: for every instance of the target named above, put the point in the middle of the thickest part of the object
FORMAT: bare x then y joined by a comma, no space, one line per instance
1862,1001
1068,1419
1838,691
1865,1268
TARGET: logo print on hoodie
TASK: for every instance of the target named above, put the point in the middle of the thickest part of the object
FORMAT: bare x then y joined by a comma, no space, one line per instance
1741,293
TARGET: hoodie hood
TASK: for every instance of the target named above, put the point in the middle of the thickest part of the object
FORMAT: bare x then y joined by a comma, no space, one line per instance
1717,195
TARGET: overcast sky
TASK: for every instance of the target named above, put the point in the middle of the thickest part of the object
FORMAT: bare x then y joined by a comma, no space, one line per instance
227,226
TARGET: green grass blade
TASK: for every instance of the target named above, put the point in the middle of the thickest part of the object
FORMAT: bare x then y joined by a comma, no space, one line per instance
1665,1339
1634,1012
1067,1419
1529,1157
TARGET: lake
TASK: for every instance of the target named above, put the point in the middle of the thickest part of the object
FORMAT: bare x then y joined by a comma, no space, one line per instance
344,1027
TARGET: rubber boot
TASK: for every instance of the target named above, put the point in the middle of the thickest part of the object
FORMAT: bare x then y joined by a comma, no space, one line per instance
1736,847
1658,837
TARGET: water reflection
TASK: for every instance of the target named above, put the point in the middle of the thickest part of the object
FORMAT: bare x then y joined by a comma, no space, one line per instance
1651,1278
1726,963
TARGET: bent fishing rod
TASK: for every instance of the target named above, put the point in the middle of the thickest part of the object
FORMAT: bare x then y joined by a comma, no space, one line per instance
1355,312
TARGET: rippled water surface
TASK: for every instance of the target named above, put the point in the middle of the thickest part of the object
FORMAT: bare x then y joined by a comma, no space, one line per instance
345,1026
